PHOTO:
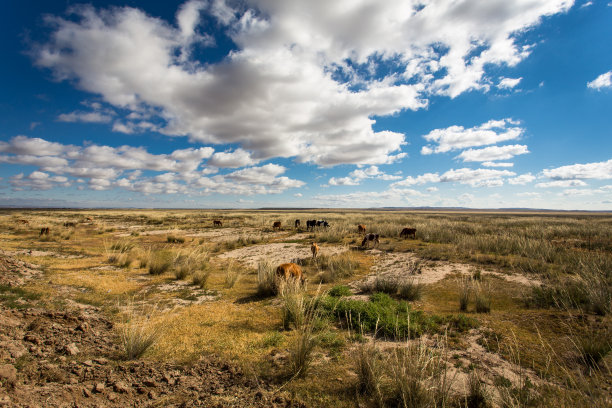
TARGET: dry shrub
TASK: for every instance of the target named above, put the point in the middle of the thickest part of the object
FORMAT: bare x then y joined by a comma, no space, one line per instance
419,375
160,262
482,299
232,275
410,289
200,278
465,288
370,371
266,276
188,262
137,333
334,267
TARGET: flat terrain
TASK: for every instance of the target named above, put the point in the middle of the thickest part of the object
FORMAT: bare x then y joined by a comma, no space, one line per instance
164,308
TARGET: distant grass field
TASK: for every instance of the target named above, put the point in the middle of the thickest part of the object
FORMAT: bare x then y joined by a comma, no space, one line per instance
168,261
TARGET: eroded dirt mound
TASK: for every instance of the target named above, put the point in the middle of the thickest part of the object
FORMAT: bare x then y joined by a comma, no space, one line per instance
70,358
277,253
14,272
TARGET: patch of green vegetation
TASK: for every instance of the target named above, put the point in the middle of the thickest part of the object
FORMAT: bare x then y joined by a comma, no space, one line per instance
381,315
273,339
339,291
10,297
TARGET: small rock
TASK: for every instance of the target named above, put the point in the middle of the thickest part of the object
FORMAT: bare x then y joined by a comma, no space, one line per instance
101,360
86,393
83,327
141,390
152,395
5,401
87,363
8,374
71,349
73,381
120,386
149,383
31,338
99,387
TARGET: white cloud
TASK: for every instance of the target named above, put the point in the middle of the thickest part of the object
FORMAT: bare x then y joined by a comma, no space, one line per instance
522,179
492,153
422,179
298,195
528,194
477,178
586,4
599,170
508,83
457,137
561,183
294,85
601,82
343,181
497,164
105,167
85,117
237,158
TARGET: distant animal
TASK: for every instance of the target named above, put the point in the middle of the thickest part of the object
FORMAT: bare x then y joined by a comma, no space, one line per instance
89,219
322,223
370,237
25,222
361,229
276,225
44,231
297,223
69,224
407,232
217,223
311,224
288,271
315,249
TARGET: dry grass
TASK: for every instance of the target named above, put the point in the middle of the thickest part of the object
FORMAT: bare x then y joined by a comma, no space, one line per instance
138,333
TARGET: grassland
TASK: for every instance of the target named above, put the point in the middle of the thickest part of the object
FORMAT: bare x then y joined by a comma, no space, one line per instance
489,308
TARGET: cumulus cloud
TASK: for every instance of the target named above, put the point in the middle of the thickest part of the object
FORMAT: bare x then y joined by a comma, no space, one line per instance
237,158
601,82
492,153
522,179
85,117
497,164
508,83
422,179
343,181
458,137
356,176
297,84
477,177
561,183
599,170
105,167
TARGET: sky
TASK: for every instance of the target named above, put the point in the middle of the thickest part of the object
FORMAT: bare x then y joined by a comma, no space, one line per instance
264,103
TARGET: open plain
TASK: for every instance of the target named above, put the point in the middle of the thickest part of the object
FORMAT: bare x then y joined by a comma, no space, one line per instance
165,308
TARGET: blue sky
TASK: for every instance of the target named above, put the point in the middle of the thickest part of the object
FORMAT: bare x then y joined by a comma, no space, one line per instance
258,103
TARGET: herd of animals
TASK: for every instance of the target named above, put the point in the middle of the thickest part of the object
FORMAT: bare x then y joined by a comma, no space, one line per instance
291,270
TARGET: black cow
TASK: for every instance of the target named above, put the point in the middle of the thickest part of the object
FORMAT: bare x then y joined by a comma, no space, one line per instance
322,223
297,224
311,224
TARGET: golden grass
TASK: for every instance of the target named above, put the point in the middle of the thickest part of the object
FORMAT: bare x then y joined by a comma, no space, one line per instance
238,325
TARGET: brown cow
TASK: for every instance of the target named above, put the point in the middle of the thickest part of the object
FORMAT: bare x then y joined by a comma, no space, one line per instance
315,249
217,223
407,232
288,271
361,229
44,231
276,225
370,237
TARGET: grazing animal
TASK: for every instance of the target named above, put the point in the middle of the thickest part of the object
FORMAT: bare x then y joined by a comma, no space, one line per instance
276,225
370,237
288,271
24,222
407,232
44,231
88,219
315,249
217,223
361,229
297,223
322,223
311,224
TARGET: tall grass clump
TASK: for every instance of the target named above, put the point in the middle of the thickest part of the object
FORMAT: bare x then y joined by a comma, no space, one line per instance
465,289
307,330
232,275
266,276
482,299
160,262
120,253
370,368
410,289
189,262
137,333
419,375
173,239
334,267
477,396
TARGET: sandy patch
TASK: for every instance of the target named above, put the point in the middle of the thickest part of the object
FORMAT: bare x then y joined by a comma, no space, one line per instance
32,252
400,266
277,253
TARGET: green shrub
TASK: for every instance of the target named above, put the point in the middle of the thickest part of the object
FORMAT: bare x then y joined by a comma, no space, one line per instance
339,291
410,290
